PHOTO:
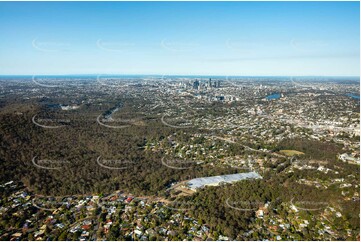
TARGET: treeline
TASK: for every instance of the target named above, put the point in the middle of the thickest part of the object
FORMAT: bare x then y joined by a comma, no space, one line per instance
313,149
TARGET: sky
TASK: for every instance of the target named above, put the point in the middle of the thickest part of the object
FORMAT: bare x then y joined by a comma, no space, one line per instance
180,38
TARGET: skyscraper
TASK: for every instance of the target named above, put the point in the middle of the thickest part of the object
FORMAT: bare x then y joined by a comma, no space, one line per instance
210,83
196,85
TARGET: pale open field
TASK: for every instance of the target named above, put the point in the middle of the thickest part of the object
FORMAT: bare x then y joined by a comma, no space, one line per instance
291,152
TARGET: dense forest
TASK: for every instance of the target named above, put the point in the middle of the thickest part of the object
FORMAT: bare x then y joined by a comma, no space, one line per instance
313,148
78,144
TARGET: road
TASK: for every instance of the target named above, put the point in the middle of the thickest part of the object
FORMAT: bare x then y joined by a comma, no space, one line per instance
245,146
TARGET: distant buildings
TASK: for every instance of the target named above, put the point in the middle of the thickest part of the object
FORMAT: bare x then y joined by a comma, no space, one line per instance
69,107
196,85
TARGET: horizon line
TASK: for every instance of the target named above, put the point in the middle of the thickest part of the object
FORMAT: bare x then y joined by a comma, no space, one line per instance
185,75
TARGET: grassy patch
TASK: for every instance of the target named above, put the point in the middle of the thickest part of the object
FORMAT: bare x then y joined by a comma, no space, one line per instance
291,152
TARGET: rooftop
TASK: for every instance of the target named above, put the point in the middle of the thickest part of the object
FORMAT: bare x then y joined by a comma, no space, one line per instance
216,180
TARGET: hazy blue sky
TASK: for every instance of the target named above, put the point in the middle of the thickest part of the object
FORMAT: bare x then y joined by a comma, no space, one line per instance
214,38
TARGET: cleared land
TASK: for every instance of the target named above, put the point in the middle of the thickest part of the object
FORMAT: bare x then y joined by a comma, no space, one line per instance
291,152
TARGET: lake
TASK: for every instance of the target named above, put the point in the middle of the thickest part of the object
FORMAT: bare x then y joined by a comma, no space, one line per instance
273,96
355,96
